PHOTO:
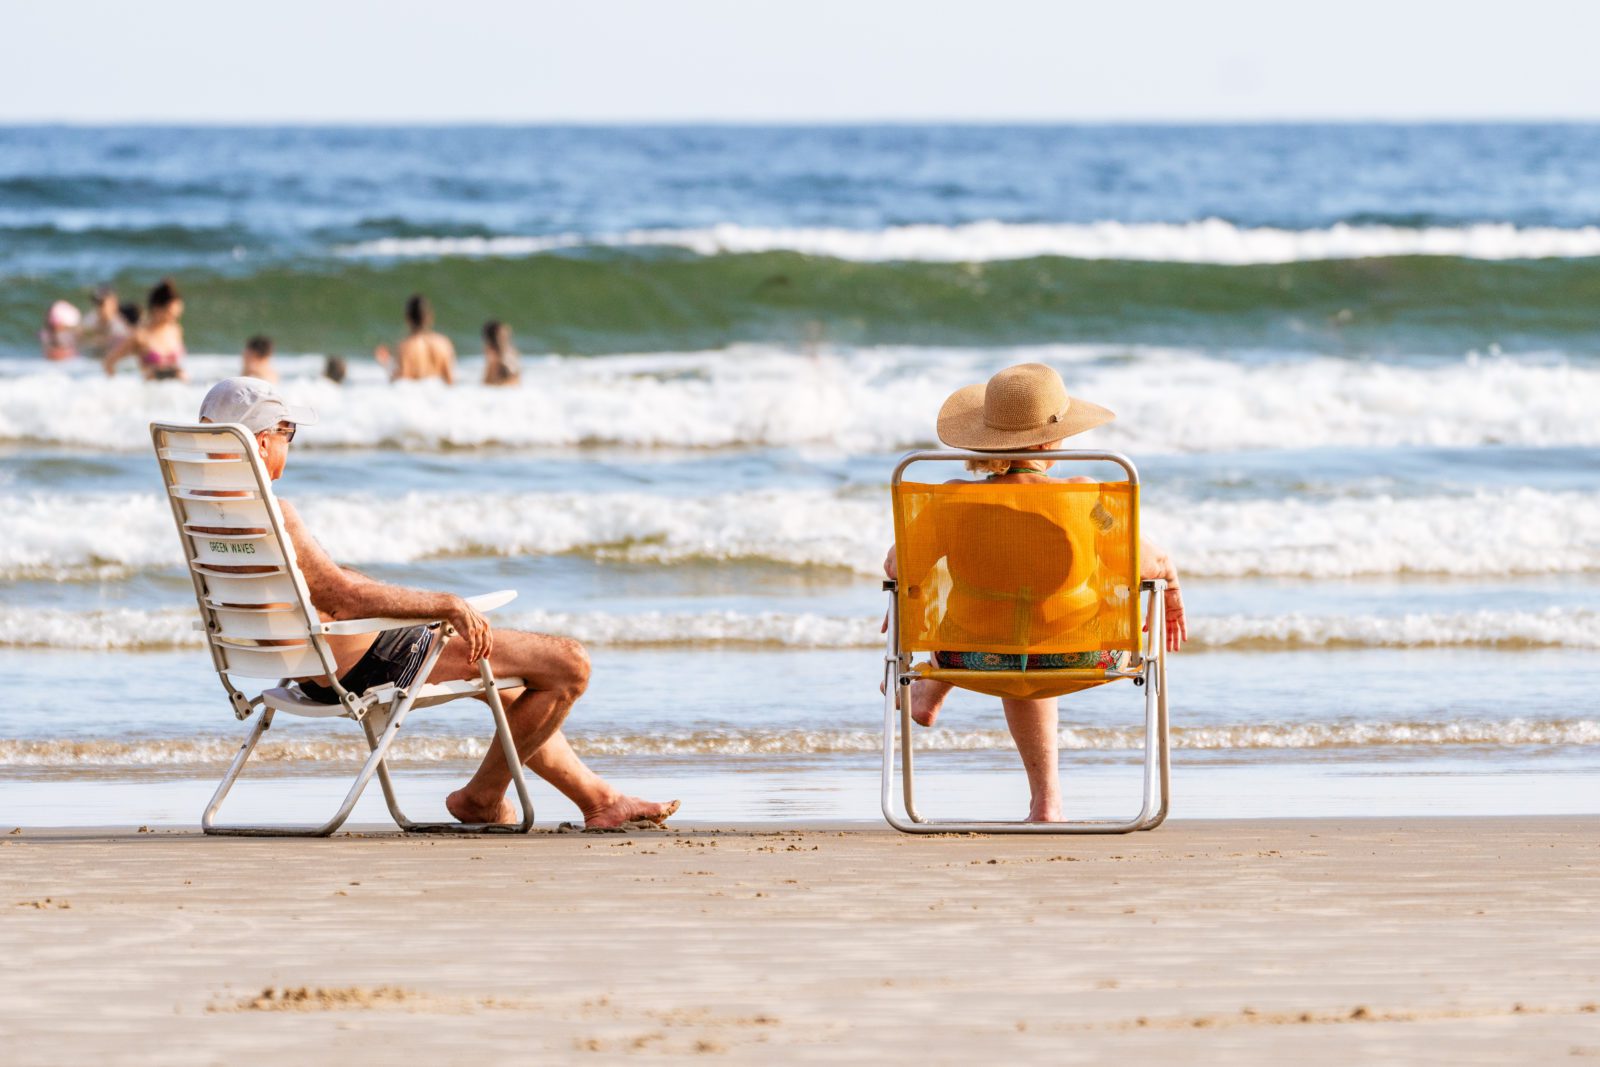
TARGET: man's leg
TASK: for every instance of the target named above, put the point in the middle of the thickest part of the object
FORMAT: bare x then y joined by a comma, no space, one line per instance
602,805
557,672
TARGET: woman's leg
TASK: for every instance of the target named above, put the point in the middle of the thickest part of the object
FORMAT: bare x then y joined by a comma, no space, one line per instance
927,697
1033,728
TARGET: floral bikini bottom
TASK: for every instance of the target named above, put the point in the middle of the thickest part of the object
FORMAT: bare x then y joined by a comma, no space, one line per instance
1000,661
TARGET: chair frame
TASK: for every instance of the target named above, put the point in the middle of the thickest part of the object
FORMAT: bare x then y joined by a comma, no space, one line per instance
1148,672
381,711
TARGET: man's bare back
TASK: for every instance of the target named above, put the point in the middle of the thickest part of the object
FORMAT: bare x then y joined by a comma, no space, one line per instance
426,354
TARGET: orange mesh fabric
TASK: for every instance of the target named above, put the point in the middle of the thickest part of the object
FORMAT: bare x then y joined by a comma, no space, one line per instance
1024,685
1018,568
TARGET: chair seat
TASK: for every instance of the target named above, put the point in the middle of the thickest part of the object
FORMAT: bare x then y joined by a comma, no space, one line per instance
1024,685
441,692
290,698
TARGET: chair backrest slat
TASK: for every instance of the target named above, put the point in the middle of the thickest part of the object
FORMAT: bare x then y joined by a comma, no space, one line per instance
247,590
299,661
256,610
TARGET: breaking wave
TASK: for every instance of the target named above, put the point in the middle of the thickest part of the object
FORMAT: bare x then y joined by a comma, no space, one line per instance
1498,532
1204,241
877,399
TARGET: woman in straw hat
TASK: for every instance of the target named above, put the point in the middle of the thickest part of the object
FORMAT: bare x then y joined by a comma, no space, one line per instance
1027,408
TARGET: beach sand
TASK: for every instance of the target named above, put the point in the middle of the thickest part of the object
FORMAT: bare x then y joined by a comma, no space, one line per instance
1331,941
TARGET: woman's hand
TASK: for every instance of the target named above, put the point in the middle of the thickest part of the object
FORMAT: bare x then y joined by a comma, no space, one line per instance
1158,565
1177,627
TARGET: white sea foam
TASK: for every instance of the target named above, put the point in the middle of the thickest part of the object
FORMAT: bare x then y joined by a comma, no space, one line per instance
133,630
865,400
1549,628
77,755
1207,241
1486,533
1490,532
84,535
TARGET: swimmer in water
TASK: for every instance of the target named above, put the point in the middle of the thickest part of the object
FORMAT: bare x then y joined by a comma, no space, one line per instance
104,328
158,340
258,359
425,352
500,365
59,339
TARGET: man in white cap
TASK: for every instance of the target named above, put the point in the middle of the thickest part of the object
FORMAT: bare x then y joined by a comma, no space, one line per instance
556,668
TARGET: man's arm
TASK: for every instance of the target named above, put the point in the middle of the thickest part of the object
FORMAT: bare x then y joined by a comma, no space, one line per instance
348,594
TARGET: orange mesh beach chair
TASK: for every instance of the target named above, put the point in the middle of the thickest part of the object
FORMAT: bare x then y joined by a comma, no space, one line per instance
1020,570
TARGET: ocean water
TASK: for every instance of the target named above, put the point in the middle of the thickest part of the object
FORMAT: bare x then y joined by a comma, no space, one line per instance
1357,367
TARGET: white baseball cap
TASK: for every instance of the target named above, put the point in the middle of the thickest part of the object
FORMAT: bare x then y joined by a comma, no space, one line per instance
253,404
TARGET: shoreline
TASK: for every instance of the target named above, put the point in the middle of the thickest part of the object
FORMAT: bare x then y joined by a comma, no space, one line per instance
1332,940
803,793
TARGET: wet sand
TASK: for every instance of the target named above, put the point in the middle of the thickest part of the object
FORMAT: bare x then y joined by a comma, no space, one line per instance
1332,941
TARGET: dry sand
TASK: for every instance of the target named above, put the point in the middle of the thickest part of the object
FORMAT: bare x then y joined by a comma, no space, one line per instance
1329,941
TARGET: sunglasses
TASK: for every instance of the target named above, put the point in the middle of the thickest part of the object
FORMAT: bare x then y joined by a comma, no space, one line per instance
288,434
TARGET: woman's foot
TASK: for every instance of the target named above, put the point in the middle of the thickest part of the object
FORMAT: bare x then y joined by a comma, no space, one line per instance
1045,812
623,810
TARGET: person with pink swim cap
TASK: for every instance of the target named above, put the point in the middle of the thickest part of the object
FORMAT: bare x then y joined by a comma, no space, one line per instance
59,338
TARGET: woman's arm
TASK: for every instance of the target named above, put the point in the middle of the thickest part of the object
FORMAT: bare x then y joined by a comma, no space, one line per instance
1155,563
118,350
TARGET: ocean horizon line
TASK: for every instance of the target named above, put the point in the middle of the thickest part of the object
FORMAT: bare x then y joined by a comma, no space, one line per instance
881,122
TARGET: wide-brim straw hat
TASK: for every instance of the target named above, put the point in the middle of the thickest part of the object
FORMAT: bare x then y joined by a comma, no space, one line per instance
1019,407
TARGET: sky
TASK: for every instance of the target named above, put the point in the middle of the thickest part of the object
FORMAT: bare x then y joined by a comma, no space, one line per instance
404,61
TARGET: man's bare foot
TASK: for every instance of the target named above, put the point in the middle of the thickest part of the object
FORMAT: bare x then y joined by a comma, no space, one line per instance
464,809
624,810
926,700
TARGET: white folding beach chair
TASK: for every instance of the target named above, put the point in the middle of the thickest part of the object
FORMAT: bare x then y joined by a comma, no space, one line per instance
259,622
1015,570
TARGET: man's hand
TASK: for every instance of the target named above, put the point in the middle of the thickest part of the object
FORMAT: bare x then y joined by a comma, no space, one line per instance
472,626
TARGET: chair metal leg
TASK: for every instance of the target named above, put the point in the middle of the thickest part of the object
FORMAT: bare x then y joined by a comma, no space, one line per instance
508,748
1157,762
894,696
1163,726
370,767
260,726
891,705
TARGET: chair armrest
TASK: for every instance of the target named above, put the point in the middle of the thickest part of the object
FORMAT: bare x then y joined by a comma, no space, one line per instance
484,602
490,601
348,627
